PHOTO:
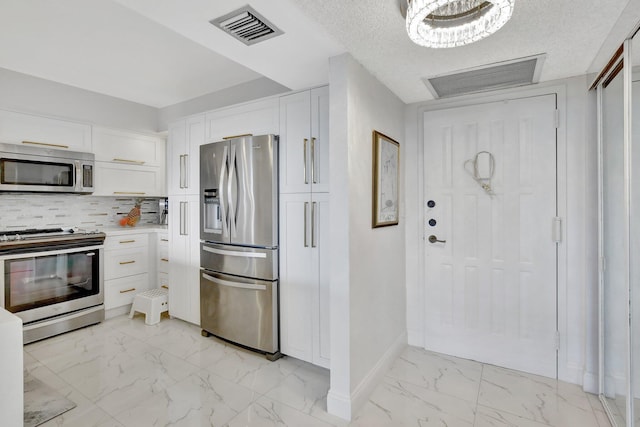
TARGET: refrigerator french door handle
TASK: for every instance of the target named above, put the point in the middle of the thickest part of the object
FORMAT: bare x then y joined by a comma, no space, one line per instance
304,160
313,225
306,209
313,161
234,284
221,196
232,181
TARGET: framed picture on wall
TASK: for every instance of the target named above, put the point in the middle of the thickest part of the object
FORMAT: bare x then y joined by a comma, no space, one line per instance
386,173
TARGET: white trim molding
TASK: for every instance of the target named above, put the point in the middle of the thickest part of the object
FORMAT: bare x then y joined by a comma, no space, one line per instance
344,406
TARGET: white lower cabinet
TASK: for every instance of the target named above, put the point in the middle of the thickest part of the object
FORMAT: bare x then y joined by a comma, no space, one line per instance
304,277
162,260
184,258
120,292
126,270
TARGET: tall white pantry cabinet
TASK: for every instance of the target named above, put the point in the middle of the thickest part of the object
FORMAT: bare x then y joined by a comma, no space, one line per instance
304,226
185,138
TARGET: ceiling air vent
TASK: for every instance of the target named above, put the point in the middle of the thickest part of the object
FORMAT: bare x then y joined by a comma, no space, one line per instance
247,25
501,75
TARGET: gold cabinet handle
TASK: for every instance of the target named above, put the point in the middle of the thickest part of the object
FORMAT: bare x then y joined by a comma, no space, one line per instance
45,144
127,290
127,241
237,136
135,162
164,240
164,259
126,262
164,287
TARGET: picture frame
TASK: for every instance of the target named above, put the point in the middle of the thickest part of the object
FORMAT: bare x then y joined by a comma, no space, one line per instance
386,180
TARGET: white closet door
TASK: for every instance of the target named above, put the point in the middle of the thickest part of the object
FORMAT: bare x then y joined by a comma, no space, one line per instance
491,288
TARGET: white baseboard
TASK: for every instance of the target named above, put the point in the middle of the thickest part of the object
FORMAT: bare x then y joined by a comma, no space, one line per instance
344,406
590,382
571,374
339,404
415,338
118,311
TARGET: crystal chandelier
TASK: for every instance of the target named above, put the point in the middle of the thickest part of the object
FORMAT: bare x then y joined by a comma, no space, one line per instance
452,23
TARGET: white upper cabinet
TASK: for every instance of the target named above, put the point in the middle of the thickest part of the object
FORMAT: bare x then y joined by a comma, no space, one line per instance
256,118
111,145
38,131
183,153
304,141
129,163
116,179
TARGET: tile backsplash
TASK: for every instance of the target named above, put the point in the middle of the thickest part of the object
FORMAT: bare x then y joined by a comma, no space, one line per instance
20,211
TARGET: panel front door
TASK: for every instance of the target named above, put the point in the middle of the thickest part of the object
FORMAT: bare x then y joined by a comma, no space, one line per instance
490,267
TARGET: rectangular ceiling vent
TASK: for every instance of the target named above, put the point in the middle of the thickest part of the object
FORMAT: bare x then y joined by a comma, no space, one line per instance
247,25
501,75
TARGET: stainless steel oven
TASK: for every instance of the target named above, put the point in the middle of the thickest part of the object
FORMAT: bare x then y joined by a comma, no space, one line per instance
54,283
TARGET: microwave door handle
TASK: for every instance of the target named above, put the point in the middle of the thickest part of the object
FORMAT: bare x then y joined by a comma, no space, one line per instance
78,177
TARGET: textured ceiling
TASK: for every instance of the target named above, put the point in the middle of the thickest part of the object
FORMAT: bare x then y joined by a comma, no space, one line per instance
161,52
570,32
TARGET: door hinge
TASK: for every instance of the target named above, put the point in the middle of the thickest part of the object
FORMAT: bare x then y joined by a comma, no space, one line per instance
556,118
558,340
556,229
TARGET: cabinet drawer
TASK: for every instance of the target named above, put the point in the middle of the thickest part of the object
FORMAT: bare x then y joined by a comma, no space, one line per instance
119,292
126,241
163,280
163,260
126,262
163,240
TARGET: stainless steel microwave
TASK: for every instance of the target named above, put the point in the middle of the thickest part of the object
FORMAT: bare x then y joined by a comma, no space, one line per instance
45,170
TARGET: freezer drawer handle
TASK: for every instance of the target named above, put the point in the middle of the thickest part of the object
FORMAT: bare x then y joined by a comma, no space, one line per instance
234,284
234,253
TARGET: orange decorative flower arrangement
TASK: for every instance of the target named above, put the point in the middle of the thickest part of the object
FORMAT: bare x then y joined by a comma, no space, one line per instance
133,216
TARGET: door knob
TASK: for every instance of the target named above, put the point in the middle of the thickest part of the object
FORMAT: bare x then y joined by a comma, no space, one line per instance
434,239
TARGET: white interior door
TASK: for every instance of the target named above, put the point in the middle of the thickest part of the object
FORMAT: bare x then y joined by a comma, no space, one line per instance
491,287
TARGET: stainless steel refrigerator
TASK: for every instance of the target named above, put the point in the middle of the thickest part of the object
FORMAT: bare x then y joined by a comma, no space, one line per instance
239,242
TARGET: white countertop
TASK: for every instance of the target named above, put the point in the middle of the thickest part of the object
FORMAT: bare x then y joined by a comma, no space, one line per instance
144,228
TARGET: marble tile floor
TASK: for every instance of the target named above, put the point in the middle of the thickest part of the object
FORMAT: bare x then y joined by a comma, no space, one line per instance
125,373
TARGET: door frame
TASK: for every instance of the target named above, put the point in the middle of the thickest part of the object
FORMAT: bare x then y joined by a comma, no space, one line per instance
567,370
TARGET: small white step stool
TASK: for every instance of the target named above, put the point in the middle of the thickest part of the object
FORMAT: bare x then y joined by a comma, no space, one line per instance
152,303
